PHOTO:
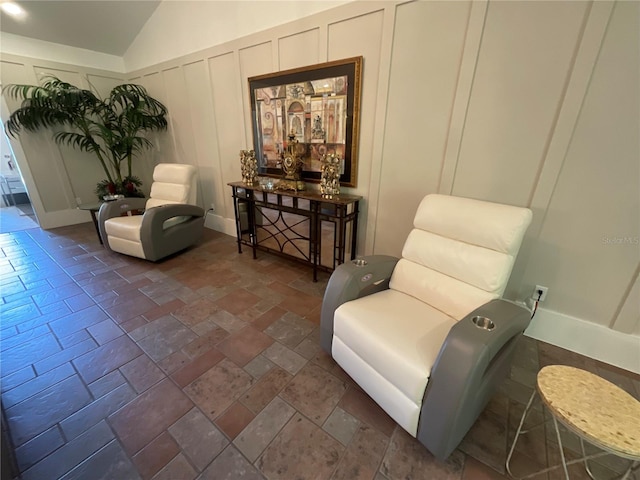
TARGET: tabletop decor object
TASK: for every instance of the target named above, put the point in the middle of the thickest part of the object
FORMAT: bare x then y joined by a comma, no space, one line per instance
291,165
249,167
330,178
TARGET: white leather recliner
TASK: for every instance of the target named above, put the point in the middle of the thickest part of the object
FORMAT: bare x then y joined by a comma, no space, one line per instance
171,221
427,336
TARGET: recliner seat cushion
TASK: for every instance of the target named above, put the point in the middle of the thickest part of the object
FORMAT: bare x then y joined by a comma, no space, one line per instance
397,335
127,227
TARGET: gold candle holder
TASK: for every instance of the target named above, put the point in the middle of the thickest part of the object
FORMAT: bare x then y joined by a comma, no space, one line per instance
249,167
330,176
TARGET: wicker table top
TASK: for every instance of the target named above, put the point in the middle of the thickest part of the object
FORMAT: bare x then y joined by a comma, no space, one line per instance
593,408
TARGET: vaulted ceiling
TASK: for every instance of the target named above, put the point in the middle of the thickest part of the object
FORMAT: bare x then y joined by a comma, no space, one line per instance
103,26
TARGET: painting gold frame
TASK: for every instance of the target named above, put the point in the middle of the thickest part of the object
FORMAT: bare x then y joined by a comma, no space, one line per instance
319,105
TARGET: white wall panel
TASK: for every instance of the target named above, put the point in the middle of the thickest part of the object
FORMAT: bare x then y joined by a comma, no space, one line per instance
82,170
587,251
200,98
103,85
70,76
51,170
523,66
628,319
179,115
350,38
425,63
164,150
254,60
225,82
299,50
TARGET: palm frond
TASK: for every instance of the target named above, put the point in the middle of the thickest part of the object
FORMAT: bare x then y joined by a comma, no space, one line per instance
111,127
77,140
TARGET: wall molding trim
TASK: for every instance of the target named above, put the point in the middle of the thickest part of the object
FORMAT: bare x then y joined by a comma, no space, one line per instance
586,338
220,224
62,218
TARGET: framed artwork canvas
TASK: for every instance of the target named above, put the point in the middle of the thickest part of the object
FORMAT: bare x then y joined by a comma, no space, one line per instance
319,106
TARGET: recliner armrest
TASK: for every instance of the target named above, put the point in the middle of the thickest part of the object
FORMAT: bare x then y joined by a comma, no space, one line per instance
155,217
471,364
158,241
351,280
153,220
116,209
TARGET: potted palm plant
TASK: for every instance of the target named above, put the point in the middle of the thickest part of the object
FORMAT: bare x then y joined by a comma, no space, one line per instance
111,128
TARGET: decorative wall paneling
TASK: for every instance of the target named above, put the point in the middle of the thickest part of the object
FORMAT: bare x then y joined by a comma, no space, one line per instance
55,177
530,103
355,29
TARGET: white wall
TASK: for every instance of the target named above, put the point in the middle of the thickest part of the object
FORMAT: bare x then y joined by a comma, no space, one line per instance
179,28
529,103
587,248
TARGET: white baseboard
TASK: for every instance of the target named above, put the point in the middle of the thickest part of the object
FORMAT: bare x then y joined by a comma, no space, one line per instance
62,218
220,224
586,338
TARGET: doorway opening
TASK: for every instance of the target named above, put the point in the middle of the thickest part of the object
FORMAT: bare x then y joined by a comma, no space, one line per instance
16,210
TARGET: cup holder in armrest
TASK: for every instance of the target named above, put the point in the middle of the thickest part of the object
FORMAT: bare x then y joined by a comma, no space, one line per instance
483,322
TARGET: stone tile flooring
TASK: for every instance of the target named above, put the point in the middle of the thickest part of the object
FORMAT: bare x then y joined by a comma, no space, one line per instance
207,365
13,219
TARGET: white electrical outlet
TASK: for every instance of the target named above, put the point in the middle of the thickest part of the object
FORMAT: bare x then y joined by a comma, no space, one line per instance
536,293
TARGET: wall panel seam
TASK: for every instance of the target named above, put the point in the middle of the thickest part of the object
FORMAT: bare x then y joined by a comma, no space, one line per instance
561,102
542,201
462,97
386,54
60,166
172,129
212,92
625,297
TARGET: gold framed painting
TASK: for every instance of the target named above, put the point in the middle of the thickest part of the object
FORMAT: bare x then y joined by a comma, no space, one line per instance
319,106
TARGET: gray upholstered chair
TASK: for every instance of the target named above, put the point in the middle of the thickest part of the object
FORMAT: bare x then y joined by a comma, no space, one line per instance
171,221
427,335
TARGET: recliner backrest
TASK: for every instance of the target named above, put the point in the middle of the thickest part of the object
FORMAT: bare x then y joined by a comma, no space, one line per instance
460,253
173,183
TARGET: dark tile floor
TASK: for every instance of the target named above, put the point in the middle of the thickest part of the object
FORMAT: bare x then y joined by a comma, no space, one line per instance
207,365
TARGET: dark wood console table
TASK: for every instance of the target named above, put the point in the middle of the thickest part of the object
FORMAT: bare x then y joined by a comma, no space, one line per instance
302,226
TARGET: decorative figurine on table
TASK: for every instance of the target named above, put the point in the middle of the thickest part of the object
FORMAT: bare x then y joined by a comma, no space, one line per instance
291,166
249,167
330,176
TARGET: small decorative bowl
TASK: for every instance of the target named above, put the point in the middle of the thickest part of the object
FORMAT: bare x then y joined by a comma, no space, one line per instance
111,198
